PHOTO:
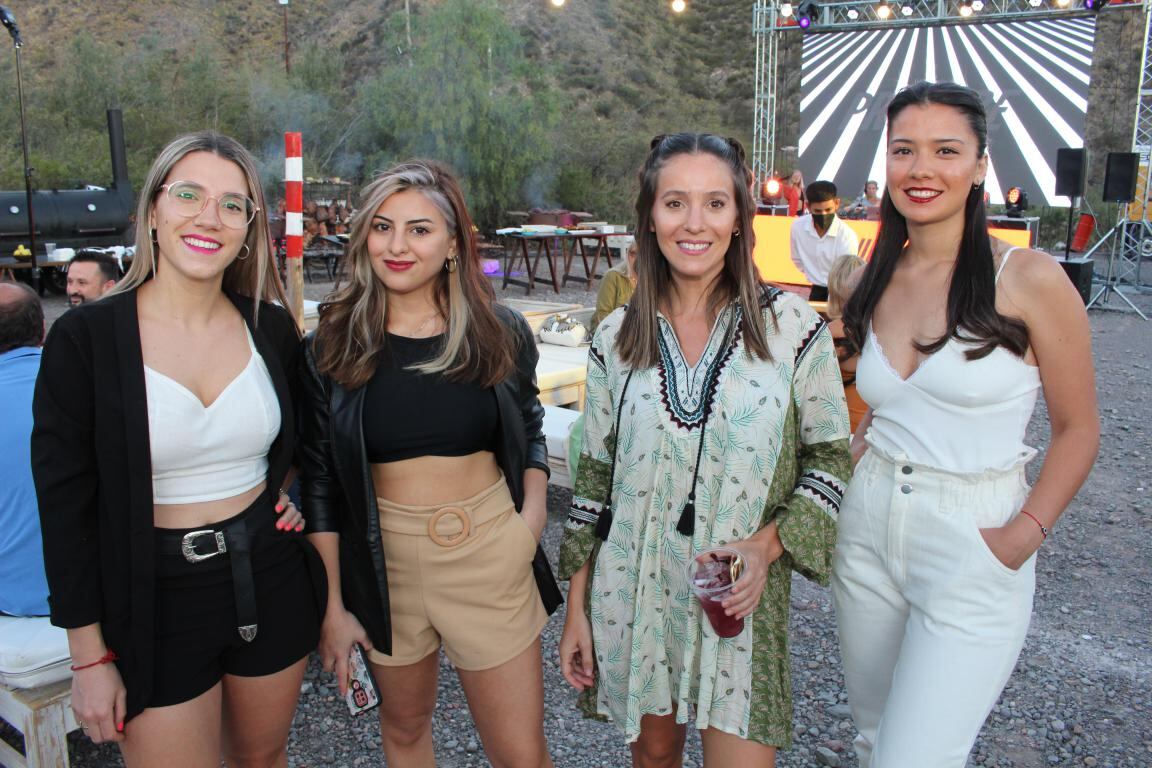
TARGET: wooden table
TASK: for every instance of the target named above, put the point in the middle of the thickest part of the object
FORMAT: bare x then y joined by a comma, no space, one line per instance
548,246
54,281
516,248
579,246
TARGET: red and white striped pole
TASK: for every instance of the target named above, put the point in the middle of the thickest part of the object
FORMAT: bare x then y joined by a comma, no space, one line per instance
294,223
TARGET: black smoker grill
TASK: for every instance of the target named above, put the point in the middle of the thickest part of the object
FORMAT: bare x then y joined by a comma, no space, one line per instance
73,218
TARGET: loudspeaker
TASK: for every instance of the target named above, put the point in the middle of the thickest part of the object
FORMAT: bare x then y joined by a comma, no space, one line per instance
1120,177
1070,167
1079,271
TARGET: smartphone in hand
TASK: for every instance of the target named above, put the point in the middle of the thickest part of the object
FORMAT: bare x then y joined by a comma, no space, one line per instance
362,693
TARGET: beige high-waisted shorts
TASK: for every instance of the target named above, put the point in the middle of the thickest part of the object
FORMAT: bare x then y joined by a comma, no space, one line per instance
460,573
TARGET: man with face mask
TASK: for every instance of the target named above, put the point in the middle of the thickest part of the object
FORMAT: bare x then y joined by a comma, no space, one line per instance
820,237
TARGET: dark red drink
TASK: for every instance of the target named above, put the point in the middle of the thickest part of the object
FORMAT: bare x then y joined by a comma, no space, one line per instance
712,583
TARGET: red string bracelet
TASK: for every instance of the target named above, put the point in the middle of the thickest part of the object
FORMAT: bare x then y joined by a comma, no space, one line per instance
1043,528
107,658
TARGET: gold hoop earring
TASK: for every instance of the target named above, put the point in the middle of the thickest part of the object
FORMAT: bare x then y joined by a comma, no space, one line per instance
736,233
450,264
247,253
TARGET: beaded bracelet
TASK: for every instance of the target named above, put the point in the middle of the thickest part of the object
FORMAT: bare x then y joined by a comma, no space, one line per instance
107,658
1043,528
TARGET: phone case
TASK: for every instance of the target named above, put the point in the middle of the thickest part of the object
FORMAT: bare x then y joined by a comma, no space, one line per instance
362,693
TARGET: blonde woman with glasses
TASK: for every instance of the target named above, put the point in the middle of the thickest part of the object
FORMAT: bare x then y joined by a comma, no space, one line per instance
163,431
425,474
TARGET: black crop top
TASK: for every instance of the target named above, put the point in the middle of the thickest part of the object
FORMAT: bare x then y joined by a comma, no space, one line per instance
408,413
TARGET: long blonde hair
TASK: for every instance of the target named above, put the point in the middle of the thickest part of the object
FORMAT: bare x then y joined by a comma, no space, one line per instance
838,290
354,322
255,275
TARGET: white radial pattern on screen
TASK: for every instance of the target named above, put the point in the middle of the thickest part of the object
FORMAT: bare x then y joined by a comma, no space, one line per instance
1033,76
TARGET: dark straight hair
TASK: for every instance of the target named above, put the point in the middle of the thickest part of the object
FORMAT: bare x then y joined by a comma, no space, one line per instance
638,341
972,315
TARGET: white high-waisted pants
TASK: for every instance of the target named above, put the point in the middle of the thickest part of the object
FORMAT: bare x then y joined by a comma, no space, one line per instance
931,622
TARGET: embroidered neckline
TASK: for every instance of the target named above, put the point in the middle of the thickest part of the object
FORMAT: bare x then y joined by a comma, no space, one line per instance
687,392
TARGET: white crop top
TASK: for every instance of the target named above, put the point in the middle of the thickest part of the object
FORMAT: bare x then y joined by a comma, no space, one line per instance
208,453
951,413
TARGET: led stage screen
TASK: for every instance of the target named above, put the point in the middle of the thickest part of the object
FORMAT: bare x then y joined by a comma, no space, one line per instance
1033,76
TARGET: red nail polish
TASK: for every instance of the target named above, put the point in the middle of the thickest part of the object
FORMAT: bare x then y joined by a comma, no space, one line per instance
279,507
300,527
120,727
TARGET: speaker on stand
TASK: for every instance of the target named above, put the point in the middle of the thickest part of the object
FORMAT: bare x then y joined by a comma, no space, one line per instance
1120,177
1071,169
1119,187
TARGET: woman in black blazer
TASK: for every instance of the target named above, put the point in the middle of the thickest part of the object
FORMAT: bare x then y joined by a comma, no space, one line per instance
424,473
164,429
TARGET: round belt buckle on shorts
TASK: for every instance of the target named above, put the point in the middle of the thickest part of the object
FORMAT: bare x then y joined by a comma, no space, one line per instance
449,541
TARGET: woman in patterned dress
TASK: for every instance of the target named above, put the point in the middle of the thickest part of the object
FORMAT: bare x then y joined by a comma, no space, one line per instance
718,400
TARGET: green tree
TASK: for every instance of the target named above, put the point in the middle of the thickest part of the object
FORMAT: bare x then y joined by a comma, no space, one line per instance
465,95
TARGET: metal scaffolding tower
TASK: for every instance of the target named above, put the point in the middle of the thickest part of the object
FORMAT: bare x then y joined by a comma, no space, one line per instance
1133,219
767,51
1130,240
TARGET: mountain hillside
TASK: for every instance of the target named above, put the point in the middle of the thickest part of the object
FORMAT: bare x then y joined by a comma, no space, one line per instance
597,78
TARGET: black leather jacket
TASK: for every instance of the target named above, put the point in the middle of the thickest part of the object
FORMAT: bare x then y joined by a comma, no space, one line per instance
336,482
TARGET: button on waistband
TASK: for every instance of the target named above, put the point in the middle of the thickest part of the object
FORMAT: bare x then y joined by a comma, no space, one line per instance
906,470
905,488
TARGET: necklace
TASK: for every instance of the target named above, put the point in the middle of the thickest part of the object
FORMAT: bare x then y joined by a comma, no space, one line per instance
418,333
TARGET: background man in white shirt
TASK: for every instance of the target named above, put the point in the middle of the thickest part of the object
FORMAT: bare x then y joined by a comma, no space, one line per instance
820,237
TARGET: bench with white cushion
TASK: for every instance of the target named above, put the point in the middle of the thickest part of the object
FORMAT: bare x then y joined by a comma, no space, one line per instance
557,426
561,373
35,692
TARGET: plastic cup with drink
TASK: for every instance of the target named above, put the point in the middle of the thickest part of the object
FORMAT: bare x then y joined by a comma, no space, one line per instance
711,575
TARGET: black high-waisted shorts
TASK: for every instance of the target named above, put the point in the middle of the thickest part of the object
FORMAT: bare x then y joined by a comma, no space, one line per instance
197,636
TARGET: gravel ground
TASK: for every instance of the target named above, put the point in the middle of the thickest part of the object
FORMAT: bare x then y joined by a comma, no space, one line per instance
1081,694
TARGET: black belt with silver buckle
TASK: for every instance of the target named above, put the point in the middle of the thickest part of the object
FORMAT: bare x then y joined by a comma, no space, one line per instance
233,540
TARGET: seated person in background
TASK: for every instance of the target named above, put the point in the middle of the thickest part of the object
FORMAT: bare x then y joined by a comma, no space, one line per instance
23,585
616,287
90,275
820,237
867,205
842,279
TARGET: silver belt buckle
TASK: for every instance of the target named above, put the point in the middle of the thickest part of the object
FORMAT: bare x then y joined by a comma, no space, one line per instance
188,545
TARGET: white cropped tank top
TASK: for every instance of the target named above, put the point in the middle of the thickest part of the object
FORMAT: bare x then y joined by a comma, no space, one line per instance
207,453
951,413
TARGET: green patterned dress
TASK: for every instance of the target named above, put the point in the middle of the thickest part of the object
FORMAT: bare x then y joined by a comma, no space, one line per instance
775,443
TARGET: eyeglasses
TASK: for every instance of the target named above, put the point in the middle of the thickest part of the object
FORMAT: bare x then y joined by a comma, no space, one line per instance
190,199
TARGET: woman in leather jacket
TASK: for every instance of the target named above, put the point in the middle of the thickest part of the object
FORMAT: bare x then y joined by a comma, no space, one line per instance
424,474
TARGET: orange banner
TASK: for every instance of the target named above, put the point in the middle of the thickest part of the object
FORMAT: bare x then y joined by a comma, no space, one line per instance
773,245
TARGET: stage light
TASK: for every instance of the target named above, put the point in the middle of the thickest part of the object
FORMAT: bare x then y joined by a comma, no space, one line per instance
785,9
1035,3
558,3
807,14
853,14
977,5
1095,5
883,10
679,6
771,188
906,10
1063,3
1015,202
965,8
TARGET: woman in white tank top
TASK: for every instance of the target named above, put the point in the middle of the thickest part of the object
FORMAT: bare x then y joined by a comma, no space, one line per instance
935,562
164,431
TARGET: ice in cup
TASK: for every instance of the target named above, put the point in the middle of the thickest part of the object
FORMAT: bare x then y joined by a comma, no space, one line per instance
710,575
